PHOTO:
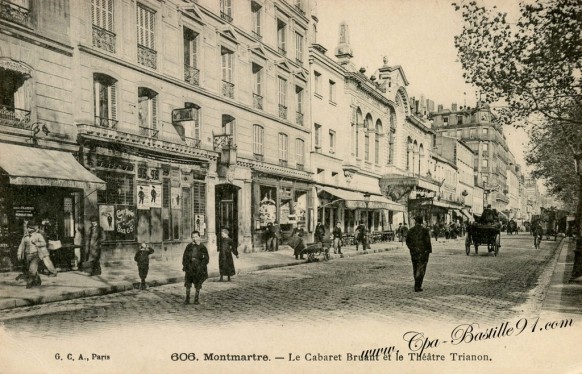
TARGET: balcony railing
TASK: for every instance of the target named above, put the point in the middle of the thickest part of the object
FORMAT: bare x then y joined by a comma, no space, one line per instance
228,89
14,13
193,142
103,39
149,132
282,162
225,16
300,167
257,101
223,141
146,56
108,123
192,75
299,118
282,51
14,117
282,111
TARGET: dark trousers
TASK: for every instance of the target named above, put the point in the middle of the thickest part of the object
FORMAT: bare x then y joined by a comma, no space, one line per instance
143,271
419,263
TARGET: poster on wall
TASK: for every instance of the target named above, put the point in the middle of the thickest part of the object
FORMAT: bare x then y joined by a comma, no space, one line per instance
106,217
267,211
176,197
143,196
155,196
125,221
199,223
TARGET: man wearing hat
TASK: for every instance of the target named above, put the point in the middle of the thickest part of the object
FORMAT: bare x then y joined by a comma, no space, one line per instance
96,236
418,242
28,251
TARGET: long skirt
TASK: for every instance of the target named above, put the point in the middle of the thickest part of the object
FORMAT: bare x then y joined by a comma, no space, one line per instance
226,263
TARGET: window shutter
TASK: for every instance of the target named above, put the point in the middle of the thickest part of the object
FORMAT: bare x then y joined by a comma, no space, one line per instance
110,15
113,90
197,124
154,102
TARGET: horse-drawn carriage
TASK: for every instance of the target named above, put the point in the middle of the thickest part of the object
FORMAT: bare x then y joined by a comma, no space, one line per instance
512,227
483,234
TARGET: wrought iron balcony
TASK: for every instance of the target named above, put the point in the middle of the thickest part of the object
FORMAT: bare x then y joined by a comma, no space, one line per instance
257,101
223,141
228,89
299,118
193,142
282,162
149,132
282,111
108,123
14,117
147,57
14,13
103,39
192,75
225,16
300,167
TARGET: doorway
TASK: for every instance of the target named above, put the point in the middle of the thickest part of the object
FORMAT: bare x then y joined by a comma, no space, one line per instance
226,203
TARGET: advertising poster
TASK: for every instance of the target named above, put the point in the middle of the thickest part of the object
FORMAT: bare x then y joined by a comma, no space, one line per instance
199,223
107,217
155,196
176,197
143,196
125,221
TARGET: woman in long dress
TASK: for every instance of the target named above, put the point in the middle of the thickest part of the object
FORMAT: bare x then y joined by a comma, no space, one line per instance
225,250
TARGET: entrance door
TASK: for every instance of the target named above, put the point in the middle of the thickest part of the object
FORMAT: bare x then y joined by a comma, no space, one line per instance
226,210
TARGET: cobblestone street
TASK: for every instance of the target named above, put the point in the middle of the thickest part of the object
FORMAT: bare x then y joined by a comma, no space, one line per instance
457,287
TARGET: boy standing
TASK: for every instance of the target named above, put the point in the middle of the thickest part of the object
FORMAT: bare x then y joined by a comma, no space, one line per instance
142,257
194,265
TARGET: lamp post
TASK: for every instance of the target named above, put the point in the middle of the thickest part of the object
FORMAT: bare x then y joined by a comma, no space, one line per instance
367,201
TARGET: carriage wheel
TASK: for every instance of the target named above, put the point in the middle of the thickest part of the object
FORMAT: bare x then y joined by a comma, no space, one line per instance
497,244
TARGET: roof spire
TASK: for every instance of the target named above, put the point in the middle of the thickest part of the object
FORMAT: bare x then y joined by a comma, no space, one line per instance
344,52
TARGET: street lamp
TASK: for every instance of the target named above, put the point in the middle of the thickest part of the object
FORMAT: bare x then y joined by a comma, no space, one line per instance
367,201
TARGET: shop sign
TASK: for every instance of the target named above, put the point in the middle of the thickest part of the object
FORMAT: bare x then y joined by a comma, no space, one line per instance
23,211
106,217
124,221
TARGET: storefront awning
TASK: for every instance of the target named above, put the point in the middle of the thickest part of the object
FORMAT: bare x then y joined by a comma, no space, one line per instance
31,166
355,200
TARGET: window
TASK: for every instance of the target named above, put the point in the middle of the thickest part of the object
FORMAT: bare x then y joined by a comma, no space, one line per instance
102,19
227,61
256,18
119,193
317,134
485,131
258,140
331,141
317,82
367,138
300,153
471,133
226,10
298,47
282,98
459,134
460,120
299,102
392,136
257,71
228,124
147,112
485,147
105,94
332,91
14,101
485,164
283,149
446,120
146,51
191,73
281,37
377,142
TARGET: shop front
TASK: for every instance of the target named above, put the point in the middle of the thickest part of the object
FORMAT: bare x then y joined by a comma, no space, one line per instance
284,203
42,186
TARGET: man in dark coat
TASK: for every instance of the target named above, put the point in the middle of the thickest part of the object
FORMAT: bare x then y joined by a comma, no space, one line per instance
319,235
194,265
94,240
225,251
142,257
418,242
361,237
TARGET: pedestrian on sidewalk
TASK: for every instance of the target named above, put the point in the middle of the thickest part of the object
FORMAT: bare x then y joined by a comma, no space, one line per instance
403,233
272,237
361,237
319,234
142,257
94,240
41,241
28,252
337,238
194,266
225,250
418,242
296,242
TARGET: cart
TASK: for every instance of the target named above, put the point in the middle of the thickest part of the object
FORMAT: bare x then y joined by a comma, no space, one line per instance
478,234
314,250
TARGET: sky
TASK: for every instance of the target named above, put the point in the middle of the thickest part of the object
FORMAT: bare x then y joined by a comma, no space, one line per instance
419,36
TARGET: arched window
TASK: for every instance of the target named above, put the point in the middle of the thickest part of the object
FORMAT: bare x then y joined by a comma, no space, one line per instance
414,157
420,159
377,141
147,112
409,154
391,135
359,122
367,126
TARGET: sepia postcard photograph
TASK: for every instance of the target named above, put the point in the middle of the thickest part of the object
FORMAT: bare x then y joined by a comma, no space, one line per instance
290,186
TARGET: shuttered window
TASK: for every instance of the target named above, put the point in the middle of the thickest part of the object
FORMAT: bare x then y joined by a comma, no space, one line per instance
145,27
102,14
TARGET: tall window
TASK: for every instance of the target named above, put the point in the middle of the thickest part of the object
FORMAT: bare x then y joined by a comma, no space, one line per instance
300,153
146,19
298,47
258,140
331,141
256,18
105,93
299,102
485,131
148,112
228,124
282,36
485,164
332,91
120,193
195,131
257,71
367,138
282,98
14,101
283,149
191,73
391,135
102,19
226,10
377,142
317,82
227,61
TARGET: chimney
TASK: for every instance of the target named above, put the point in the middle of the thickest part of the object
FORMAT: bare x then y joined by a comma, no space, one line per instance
453,107
343,51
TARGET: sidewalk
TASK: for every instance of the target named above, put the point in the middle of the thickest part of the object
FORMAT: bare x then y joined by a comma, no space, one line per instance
123,276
